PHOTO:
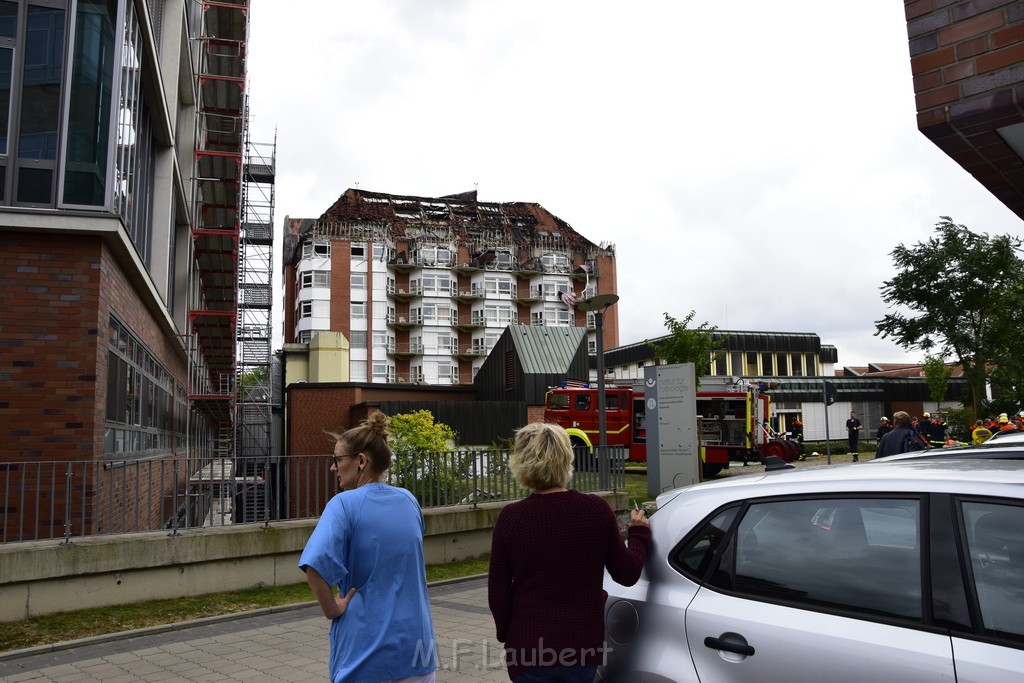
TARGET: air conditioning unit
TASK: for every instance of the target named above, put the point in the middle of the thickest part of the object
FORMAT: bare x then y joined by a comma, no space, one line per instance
401,379
401,318
401,290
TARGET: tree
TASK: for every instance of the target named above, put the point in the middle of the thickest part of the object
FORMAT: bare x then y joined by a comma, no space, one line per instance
1008,375
684,345
947,293
424,463
417,431
936,376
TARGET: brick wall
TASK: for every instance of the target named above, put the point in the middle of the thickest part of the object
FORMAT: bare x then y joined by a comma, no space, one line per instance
56,297
49,293
967,61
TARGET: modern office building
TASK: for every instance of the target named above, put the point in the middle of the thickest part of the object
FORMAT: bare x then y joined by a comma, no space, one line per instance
124,235
421,288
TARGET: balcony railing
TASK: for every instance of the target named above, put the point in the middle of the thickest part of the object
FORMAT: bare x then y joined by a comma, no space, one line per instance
66,500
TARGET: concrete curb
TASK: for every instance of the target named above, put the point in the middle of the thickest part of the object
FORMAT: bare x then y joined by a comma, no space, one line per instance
182,625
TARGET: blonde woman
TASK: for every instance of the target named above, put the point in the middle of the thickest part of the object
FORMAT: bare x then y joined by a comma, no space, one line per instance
548,556
369,544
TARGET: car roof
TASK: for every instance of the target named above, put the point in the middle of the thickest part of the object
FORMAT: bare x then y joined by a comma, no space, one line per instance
1012,436
977,476
1004,449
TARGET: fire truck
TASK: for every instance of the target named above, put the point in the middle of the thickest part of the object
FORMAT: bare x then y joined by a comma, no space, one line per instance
733,420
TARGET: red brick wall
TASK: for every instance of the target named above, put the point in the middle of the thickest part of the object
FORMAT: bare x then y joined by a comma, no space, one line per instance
56,296
963,50
49,293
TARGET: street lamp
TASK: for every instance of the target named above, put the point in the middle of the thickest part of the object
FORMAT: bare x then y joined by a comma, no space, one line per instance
598,304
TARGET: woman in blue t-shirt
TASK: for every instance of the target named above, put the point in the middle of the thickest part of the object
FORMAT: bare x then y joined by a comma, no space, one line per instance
369,544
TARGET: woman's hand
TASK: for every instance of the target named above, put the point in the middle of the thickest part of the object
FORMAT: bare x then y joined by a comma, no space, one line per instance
638,518
341,601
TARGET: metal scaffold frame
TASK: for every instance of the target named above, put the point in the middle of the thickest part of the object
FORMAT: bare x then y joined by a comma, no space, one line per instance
255,296
228,334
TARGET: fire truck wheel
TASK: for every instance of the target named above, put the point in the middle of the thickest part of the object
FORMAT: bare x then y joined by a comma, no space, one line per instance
712,468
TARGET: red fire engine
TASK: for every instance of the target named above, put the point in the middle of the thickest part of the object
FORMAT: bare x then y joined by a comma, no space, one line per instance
733,419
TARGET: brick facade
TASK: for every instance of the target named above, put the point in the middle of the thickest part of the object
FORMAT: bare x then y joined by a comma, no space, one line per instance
57,294
967,60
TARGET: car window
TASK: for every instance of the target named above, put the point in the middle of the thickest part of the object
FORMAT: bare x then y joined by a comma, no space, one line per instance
582,402
995,543
693,556
849,554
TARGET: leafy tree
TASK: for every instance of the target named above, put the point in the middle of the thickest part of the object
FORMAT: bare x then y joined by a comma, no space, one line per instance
1008,375
423,459
946,293
417,431
936,375
684,345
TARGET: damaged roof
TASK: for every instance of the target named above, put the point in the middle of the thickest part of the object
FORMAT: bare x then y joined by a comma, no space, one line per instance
457,219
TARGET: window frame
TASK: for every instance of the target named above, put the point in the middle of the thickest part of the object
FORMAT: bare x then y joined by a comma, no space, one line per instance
723,568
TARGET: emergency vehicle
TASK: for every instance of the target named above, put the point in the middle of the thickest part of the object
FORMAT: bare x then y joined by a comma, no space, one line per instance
733,420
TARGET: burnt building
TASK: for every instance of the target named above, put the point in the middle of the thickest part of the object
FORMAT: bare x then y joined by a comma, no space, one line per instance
422,288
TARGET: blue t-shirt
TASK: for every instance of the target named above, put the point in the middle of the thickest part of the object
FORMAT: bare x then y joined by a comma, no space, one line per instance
372,538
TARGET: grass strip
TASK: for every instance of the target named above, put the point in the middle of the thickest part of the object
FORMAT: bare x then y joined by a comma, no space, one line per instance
64,626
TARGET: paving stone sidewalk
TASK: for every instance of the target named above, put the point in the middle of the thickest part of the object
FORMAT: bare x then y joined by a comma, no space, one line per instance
269,646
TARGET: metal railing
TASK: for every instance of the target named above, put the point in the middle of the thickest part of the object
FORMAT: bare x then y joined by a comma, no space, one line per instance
66,500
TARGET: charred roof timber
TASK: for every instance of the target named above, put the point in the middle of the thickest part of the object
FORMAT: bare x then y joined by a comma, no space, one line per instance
458,218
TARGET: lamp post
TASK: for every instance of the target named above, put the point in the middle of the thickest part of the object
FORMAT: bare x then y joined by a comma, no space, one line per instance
598,304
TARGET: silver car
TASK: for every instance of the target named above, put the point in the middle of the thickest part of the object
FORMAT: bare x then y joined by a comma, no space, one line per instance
910,570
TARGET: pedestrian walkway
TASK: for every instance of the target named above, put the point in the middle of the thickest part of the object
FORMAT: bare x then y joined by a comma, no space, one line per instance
267,646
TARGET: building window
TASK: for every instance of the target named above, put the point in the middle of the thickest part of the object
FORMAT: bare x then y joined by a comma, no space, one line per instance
798,364
552,317
783,363
495,314
314,309
358,310
142,398
553,290
357,281
766,364
316,249
432,255
497,285
358,339
555,262
314,278
434,285
90,104
381,340
383,372
358,250
433,314
306,336
447,370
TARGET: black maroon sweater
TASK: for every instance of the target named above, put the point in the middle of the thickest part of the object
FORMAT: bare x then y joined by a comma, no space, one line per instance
544,587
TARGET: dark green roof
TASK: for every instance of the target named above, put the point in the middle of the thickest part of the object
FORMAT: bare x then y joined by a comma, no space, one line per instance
546,350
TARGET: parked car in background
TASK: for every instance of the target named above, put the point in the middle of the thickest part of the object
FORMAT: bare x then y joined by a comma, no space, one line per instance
1009,436
908,570
1007,448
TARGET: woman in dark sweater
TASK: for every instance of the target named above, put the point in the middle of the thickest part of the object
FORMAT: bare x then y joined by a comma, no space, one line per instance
548,556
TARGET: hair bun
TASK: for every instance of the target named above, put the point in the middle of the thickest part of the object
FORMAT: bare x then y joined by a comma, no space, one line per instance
379,423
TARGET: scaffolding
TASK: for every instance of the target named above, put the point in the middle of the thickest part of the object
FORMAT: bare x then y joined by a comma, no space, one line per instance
224,288
255,259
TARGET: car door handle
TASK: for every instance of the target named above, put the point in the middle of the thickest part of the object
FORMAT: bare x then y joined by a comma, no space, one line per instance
730,645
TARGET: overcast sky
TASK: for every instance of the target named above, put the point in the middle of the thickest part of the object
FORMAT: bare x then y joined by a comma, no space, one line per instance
753,161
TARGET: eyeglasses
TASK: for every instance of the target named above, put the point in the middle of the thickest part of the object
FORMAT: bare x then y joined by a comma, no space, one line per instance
338,458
